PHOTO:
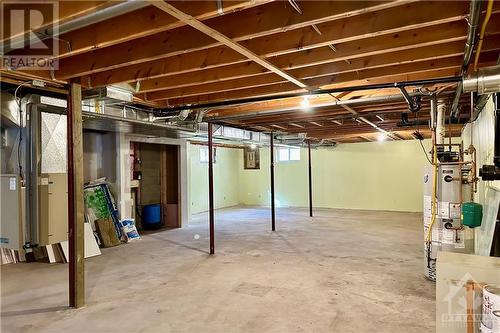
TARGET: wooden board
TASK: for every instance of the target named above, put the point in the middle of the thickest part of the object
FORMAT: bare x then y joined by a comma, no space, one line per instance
91,247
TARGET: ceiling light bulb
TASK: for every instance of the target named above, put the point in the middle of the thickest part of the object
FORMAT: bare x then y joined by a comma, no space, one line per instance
304,104
381,137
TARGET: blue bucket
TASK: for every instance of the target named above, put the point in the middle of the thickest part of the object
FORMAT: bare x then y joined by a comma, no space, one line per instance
151,216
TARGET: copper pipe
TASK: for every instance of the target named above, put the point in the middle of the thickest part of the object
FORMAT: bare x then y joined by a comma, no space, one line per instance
470,288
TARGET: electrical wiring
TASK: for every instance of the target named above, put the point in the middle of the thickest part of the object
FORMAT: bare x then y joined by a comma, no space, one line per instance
420,141
20,140
423,148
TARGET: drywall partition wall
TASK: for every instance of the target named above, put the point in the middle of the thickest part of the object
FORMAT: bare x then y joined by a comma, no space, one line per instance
105,155
226,178
481,133
99,156
483,139
375,176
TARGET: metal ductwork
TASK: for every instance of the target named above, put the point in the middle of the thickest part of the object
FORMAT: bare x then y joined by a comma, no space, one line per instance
124,119
484,81
291,139
473,24
285,137
180,117
479,105
117,9
108,95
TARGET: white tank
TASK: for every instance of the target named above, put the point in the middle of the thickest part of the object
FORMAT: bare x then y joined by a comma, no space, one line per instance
448,234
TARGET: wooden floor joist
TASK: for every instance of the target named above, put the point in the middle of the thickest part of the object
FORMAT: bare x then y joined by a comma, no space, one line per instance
141,23
220,56
310,77
181,54
168,8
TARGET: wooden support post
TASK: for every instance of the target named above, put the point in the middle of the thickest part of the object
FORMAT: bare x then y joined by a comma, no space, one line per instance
75,198
310,178
273,208
211,188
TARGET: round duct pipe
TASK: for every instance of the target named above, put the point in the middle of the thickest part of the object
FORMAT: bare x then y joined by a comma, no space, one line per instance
484,81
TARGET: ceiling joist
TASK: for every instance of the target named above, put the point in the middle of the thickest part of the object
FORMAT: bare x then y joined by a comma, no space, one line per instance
183,54
188,19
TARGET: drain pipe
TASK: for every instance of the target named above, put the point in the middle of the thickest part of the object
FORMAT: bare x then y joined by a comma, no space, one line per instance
473,24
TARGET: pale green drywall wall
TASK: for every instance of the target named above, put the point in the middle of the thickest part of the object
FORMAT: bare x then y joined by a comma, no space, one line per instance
481,133
226,179
376,176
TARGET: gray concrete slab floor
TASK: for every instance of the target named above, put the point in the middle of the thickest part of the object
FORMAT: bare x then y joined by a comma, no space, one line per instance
341,271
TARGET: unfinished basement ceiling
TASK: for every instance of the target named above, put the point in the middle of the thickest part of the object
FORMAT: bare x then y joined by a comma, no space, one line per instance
251,49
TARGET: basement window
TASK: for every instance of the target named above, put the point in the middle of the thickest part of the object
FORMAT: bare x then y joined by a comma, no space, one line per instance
288,154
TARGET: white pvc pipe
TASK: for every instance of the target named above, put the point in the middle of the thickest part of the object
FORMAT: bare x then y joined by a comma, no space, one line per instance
440,126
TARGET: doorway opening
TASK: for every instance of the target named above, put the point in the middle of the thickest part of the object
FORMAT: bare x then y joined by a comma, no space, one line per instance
155,185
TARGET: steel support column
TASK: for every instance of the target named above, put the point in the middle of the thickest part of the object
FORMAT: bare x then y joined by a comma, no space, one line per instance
310,178
75,198
211,189
32,170
273,208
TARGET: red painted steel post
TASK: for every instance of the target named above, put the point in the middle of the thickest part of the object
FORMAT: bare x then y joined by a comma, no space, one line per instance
211,189
310,179
273,208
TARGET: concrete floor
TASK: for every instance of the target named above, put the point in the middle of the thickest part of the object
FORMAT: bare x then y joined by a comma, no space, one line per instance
341,271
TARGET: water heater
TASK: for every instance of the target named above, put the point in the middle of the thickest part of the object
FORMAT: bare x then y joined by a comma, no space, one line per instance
447,233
